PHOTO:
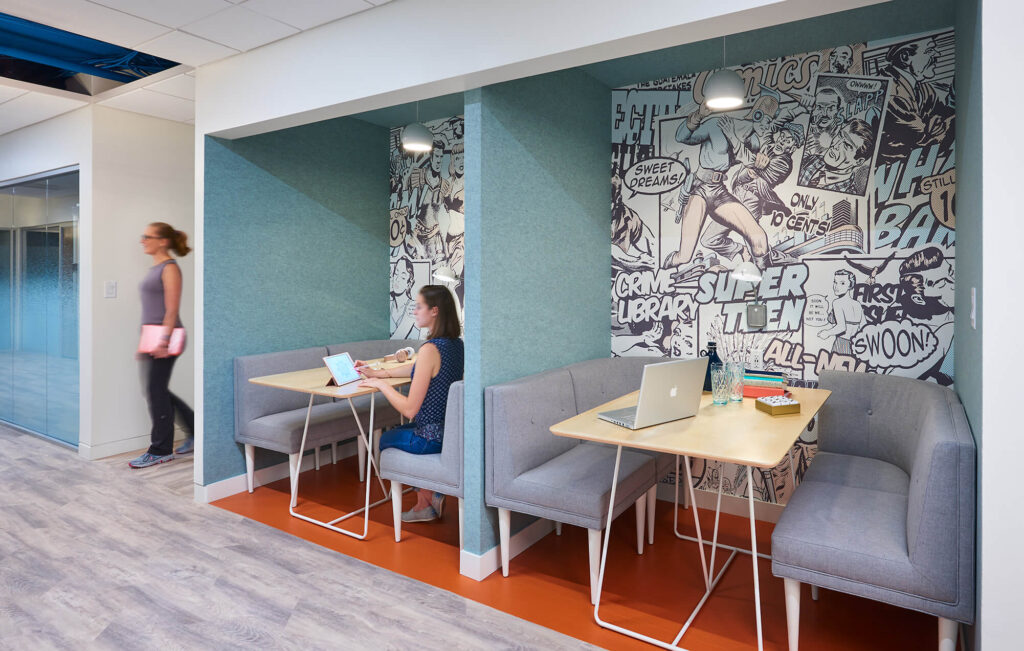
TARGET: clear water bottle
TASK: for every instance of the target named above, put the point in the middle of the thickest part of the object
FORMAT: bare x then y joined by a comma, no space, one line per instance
712,354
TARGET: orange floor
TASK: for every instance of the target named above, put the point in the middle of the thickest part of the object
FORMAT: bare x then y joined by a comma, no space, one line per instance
549,583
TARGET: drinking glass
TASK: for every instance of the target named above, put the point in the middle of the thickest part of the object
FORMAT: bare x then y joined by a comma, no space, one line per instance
736,371
720,384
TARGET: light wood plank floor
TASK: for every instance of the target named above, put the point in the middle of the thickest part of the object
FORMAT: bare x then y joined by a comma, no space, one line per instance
94,555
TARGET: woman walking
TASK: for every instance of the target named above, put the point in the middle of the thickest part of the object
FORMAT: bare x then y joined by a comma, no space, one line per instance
161,302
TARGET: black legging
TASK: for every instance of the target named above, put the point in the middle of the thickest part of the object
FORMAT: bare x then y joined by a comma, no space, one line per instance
162,405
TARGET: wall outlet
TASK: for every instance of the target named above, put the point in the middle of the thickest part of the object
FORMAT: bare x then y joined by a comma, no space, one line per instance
974,309
110,289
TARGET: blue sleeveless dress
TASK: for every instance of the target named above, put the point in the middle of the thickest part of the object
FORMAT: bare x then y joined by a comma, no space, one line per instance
425,433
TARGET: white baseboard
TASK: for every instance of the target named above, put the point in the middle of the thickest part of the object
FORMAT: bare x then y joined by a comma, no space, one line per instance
263,476
109,449
112,448
480,566
763,511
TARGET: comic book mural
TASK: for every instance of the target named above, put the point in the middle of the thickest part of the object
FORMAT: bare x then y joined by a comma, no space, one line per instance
427,222
836,178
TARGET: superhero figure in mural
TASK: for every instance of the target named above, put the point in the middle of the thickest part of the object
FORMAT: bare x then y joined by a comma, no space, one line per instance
845,315
763,143
427,230
920,112
925,277
632,240
710,196
843,166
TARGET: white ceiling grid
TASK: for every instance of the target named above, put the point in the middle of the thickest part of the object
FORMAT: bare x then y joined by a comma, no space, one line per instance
191,32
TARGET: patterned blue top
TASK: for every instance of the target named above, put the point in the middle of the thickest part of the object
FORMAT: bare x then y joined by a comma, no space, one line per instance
429,419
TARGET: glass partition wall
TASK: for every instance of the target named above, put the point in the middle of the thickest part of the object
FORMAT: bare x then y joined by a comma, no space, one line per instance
39,305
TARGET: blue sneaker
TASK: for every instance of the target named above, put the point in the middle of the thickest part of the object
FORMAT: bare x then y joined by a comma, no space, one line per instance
146,460
188,446
423,515
437,502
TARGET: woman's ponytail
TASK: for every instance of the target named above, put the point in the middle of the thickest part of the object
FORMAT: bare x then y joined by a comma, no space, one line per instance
178,239
179,243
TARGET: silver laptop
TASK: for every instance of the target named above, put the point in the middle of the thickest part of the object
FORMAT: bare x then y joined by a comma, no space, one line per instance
668,391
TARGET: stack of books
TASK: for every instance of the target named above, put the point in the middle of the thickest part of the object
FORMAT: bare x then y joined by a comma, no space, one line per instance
758,384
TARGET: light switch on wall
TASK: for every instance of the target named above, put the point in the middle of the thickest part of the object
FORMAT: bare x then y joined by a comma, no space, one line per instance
110,289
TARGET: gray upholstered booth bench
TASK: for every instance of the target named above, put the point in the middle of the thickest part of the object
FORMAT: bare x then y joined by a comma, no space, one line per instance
530,470
886,509
441,473
273,419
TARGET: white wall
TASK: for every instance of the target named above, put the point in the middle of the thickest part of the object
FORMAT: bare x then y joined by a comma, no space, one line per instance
1002,525
133,170
142,173
383,57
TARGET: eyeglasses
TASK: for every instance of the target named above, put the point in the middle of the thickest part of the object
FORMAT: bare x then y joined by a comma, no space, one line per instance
150,237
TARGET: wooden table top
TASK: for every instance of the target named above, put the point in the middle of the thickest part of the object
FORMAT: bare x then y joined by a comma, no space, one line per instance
315,380
737,432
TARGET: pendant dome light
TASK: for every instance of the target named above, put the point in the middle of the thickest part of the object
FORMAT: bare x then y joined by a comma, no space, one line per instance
724,89
746,271
416,137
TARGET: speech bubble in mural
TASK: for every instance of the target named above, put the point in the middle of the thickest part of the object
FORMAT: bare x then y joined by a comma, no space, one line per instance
655,175
816,311
895,344
864,85
398,227
941,191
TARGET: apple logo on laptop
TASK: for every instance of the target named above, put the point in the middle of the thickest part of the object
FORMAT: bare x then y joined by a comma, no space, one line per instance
672,392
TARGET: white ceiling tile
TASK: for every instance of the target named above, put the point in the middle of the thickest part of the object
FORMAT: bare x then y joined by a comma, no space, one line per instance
87,19
185,48
155,104
33,107
7,93
182,86
240,28
173,13
378,2
306,14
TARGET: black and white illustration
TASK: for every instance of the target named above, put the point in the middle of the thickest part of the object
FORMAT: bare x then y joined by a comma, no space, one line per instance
427,220
836,179
843,132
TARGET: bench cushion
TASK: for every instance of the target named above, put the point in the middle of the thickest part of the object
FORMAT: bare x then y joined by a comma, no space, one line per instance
328,423
574,486
420,470
858,472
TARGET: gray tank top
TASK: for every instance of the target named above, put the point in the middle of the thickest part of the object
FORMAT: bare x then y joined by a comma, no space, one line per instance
152,290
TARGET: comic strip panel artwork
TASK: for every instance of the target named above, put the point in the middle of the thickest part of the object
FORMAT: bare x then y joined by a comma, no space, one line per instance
836,178
427,221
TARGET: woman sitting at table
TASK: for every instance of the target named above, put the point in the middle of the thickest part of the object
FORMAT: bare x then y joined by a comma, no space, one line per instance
438,364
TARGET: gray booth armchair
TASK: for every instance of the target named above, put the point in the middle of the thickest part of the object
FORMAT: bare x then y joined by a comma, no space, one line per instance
441,473
530,470
886,510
